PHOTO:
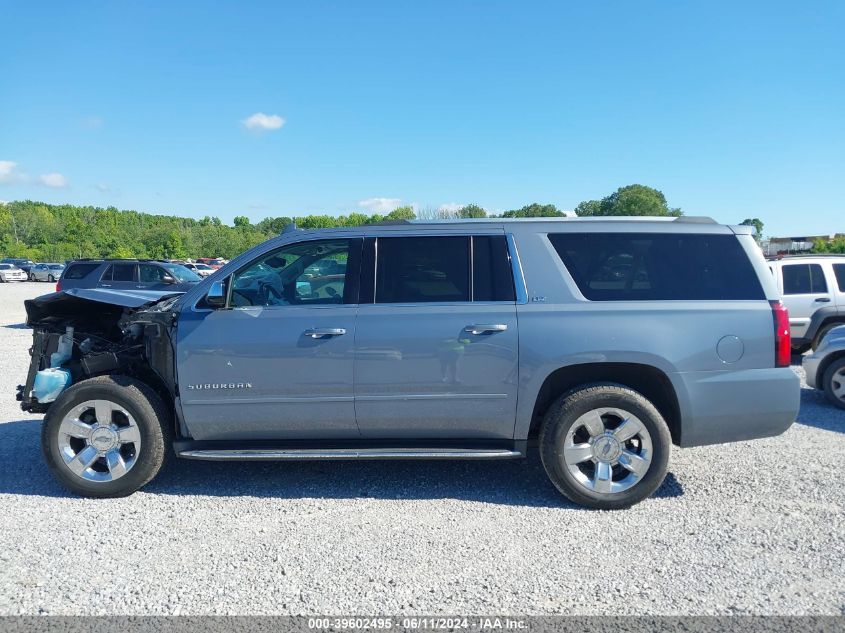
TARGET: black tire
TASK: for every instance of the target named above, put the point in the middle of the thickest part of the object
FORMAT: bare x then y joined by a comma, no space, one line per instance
828,383
562,416
51,279
150,414
817,339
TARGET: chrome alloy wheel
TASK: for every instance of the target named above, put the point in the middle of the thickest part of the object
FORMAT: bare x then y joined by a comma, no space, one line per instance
607,450
837,384
99,440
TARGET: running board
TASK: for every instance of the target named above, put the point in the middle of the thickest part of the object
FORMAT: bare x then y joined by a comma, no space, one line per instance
269,454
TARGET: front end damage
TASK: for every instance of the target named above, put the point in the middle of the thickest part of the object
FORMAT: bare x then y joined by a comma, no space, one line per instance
91,332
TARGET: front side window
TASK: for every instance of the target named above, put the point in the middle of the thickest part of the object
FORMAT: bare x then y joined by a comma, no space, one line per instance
649,266
150,273
803,279
305,273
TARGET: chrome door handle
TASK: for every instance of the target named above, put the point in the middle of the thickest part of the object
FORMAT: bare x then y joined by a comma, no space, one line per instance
486,328
324,332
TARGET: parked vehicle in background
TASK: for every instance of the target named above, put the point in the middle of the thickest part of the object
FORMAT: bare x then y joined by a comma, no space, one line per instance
127,274
203,270
825,367
813,290
10,272
602,341
24,264
46,272
214,262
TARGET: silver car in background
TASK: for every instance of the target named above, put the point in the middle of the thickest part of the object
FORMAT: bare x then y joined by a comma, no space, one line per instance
46,272
826,366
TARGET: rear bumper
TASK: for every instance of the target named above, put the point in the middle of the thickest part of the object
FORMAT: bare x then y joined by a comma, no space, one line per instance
733,406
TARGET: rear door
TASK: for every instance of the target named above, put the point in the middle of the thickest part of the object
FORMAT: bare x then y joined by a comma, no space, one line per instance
839,284
436,345
805,290
120,276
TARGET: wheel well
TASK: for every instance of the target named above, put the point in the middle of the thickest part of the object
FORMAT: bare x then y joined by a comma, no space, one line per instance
645,379
834,321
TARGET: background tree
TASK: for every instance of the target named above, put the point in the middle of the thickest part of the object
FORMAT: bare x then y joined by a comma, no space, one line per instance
472,211
402,213
757,224
634,200
535,210
588,208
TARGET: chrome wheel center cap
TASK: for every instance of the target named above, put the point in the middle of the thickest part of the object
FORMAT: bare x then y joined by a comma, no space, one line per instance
104,438
607,448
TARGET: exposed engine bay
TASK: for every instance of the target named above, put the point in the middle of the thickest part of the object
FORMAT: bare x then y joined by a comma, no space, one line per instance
81,333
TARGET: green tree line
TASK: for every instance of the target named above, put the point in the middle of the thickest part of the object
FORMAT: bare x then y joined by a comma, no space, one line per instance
48,232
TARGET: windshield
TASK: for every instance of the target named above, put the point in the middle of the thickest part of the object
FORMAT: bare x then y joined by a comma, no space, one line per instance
181,273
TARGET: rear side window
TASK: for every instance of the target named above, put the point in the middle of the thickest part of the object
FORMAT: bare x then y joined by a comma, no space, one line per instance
803,279
839,271
119,272
422,269
492,275
657,266
79,271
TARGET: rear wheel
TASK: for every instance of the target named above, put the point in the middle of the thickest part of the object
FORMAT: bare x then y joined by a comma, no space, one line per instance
106,437
50,278
605,446
833,383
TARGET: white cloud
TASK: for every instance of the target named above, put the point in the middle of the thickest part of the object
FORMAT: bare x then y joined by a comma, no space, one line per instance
54,179
380,205
9,172
450,207
104,187
260,122
3,203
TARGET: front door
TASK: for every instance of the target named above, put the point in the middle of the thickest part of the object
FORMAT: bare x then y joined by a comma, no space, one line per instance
436,344
277,362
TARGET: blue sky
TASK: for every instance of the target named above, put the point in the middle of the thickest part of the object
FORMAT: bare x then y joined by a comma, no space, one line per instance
732,109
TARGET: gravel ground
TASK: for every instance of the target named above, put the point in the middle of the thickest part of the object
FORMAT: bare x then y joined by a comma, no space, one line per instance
754,527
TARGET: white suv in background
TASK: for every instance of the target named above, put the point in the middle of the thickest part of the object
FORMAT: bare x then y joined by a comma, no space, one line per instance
813,290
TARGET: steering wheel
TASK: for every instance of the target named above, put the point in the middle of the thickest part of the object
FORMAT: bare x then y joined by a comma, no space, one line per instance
267,291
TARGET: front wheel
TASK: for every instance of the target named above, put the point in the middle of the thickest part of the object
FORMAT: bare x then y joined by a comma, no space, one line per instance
605,446
106,437
51,279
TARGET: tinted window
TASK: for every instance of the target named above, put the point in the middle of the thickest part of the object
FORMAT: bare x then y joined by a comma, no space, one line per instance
649,266
422,269
492,277
839,271
150,273
119,272
305,273
803,279
78,271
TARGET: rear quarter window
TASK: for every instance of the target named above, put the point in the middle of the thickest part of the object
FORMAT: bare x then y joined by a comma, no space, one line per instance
79,271
658,266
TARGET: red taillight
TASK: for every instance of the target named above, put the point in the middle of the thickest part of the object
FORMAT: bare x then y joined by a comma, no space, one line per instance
59,285
783,344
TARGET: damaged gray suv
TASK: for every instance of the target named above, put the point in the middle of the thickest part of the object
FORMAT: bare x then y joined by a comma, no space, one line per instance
600,341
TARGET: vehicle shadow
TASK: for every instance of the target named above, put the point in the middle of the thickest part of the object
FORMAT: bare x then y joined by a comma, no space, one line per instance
512,482
16,326
818,412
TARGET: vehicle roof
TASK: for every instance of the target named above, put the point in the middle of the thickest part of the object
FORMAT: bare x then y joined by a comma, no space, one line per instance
683,224
780,258
127,260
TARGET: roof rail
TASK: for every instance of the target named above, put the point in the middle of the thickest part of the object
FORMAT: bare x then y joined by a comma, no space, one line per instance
695,219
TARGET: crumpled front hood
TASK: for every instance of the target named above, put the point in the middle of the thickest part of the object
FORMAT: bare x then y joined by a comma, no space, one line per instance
78,302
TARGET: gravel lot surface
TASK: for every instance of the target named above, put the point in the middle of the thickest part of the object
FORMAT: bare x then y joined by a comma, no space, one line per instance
755,527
